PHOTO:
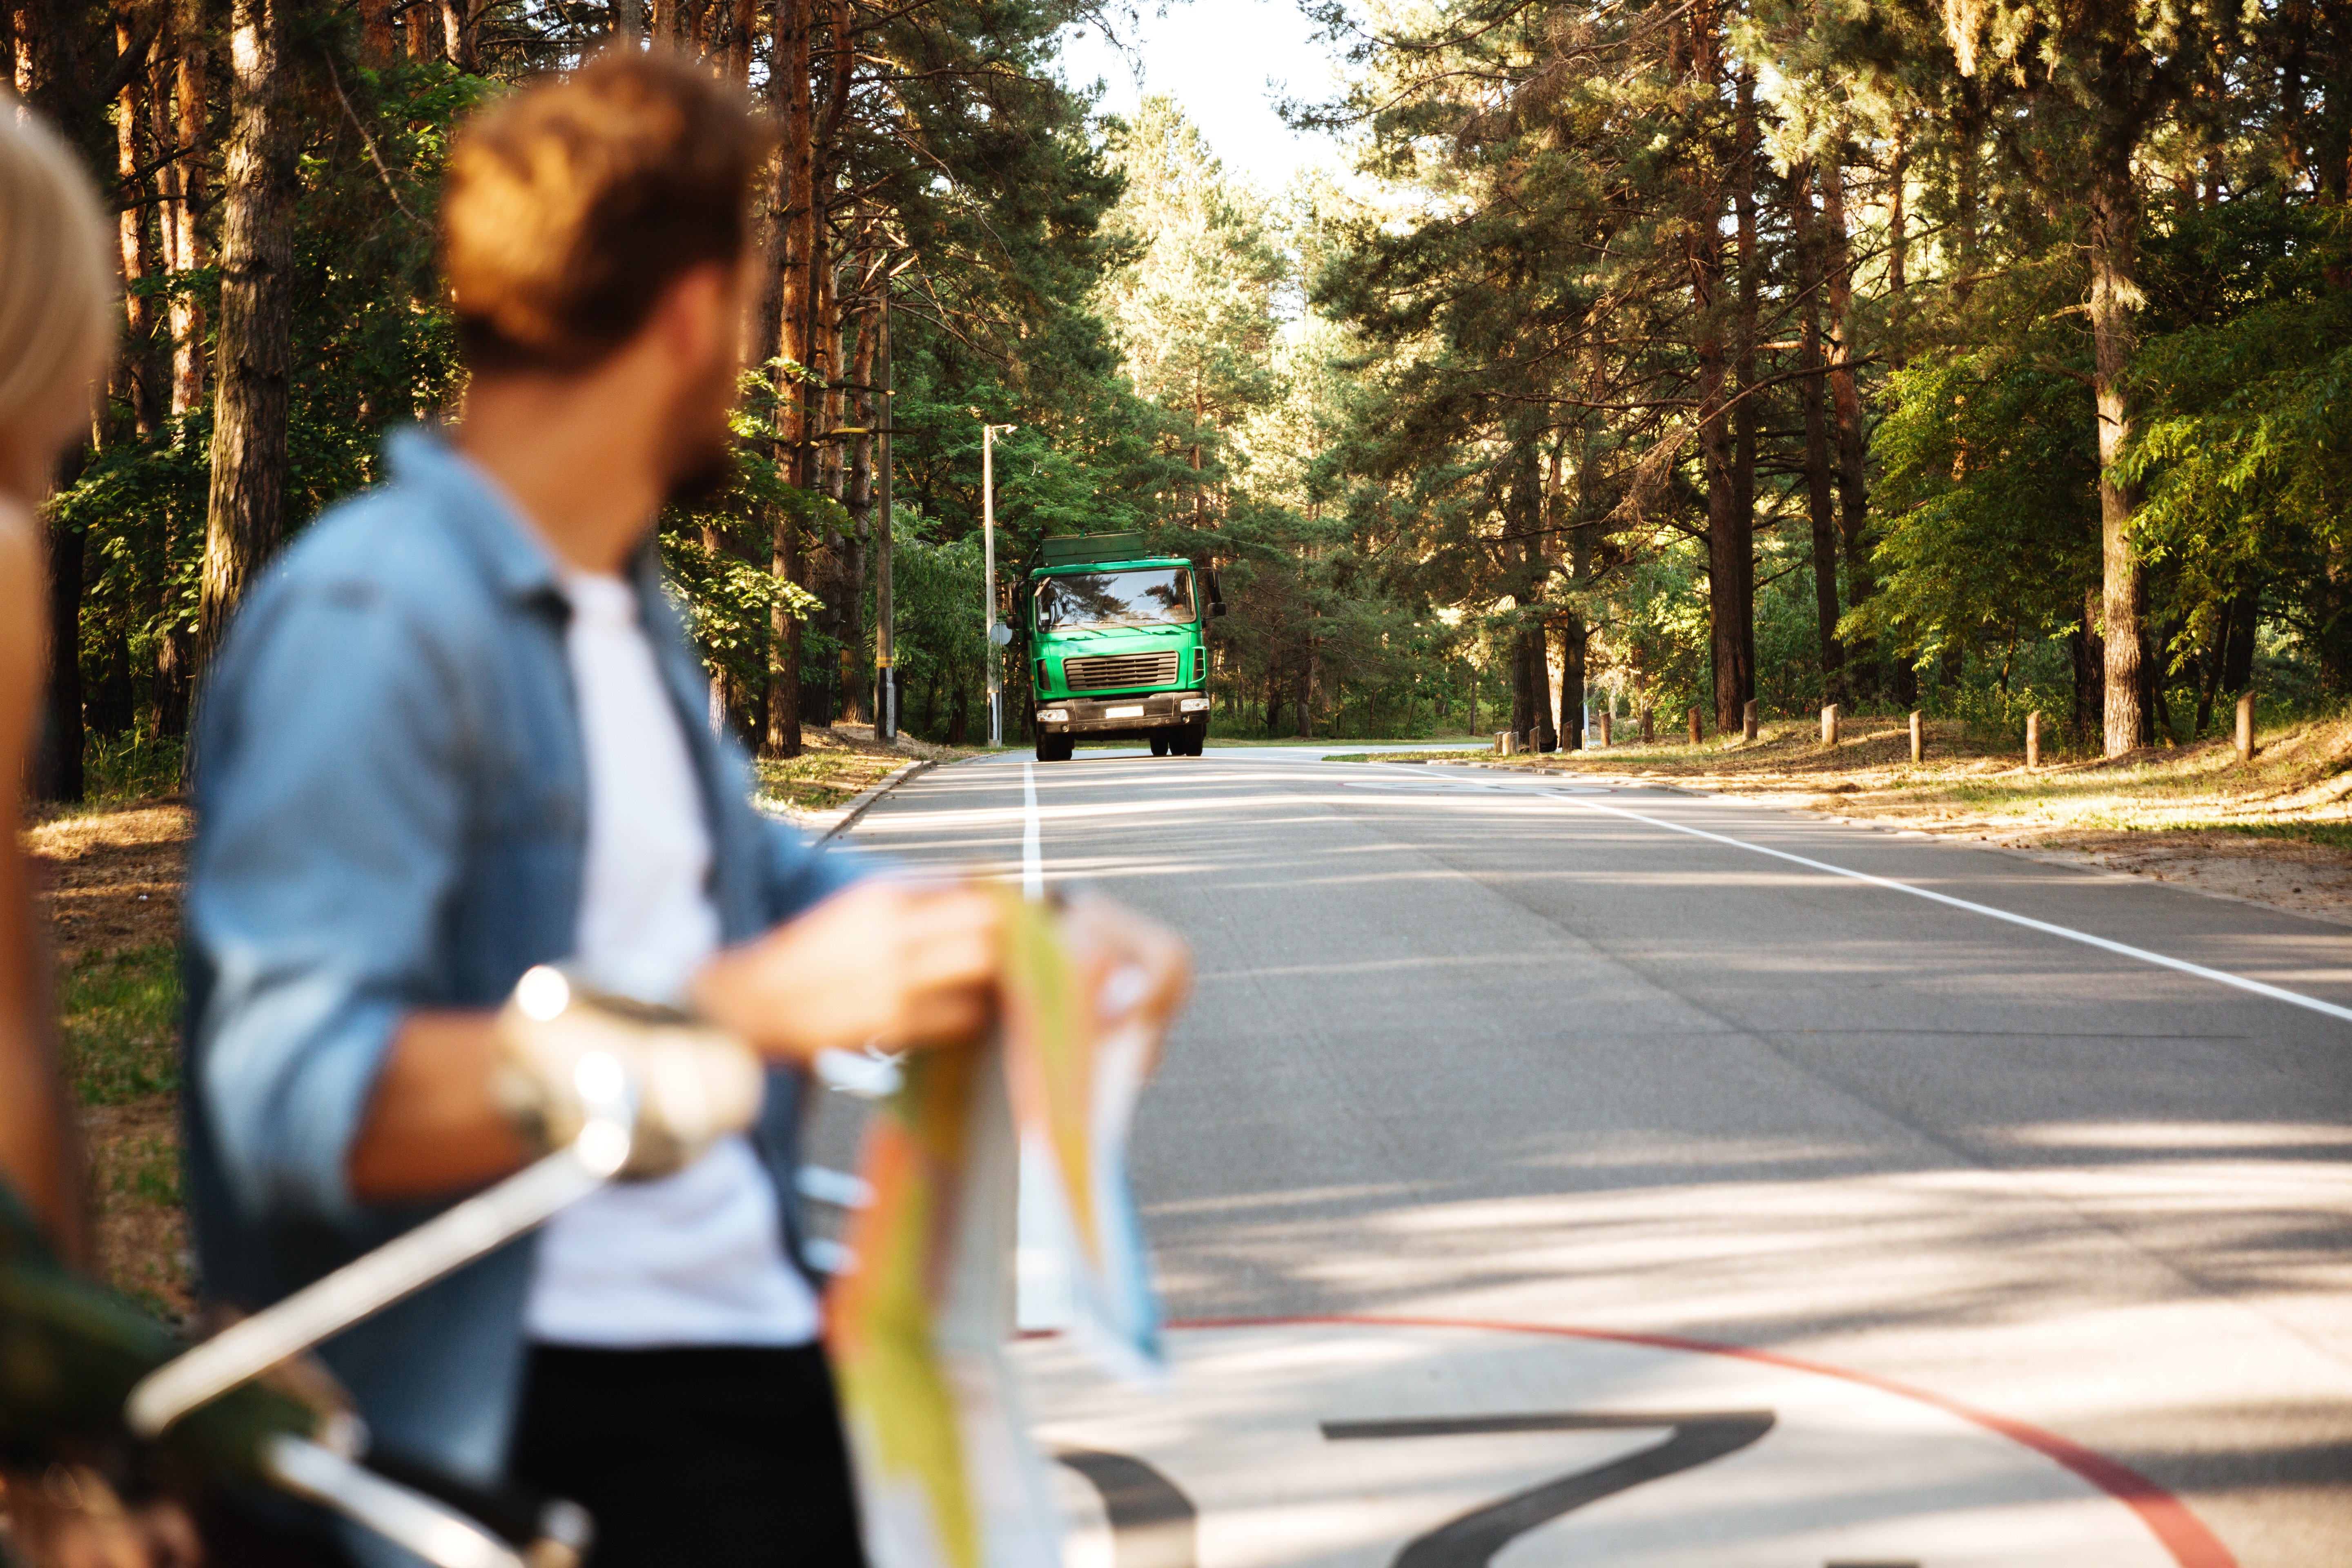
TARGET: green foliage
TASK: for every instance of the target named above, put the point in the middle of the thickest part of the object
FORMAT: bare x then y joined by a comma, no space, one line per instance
1990,492
941,644
2246,464
130,766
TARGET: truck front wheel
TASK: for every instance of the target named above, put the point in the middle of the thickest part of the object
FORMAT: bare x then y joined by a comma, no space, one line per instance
1189,739
1053,748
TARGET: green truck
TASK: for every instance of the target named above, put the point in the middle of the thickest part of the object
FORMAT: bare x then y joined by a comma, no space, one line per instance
1118,643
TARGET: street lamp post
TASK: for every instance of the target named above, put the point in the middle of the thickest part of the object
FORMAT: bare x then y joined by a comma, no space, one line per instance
886,625
988,590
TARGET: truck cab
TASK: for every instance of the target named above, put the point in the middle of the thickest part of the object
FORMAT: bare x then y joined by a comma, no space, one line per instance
1118,644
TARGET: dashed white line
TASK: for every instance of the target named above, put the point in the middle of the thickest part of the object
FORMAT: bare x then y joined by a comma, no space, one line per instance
1033,860
2162,961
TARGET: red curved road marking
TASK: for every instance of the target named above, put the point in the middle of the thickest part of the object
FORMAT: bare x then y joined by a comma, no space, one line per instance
2180,1531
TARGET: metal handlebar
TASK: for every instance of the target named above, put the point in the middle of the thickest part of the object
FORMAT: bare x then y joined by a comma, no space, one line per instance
330,1473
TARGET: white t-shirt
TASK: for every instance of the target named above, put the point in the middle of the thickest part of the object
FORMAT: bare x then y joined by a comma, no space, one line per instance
695,1257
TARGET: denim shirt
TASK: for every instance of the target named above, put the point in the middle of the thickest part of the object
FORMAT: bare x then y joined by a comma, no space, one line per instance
390,813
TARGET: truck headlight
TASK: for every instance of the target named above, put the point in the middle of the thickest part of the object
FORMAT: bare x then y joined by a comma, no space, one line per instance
1053,716
1193,705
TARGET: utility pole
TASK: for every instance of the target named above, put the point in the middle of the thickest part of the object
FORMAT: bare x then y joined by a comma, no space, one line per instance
989,627
886,625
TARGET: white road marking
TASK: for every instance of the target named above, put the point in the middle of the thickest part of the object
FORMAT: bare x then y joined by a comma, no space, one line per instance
1041,1290
2162,961
1337,1444
1033,860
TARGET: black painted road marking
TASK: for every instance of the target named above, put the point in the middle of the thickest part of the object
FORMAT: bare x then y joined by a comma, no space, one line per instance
1472,1539
1152,1523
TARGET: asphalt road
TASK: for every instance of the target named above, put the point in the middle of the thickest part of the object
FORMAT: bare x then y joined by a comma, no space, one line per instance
1472,1047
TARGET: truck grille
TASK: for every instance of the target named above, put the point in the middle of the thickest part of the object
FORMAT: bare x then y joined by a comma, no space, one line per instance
1120,669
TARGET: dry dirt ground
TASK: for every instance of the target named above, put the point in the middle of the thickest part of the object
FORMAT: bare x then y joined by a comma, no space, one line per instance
110,883
2277,831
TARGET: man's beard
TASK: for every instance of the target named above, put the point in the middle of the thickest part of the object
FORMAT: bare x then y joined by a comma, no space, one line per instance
699,451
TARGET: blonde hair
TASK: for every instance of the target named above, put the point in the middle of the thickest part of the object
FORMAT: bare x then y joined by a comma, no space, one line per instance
56,281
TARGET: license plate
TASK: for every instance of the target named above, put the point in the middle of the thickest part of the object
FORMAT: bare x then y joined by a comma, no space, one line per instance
1134,712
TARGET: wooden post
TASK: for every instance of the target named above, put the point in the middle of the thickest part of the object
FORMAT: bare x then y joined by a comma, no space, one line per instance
1604,729
1507,742
1693,726
2246,725
2034,740
1918,738
1747,721
1830,725
1649,733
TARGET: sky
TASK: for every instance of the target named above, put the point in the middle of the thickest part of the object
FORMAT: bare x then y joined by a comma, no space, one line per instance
1215,58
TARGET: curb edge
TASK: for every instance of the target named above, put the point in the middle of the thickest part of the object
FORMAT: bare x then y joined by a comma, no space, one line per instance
859,804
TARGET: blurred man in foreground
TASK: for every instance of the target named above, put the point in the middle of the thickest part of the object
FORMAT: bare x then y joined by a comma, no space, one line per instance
455,735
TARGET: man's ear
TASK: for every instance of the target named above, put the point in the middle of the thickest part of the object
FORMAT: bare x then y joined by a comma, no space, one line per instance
695,317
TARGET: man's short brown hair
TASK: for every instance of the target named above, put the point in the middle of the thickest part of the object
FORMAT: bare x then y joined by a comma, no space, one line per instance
572,205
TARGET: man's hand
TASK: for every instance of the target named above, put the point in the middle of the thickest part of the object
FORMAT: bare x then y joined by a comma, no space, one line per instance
901,964
1139,970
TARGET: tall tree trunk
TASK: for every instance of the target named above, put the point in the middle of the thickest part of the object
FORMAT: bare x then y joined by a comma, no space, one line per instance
860,502
190,250
885,623
1732,564
137,379
1560,552
735,52
722,686
57,765
2115,272
1819,505
793,201
248,513
460,27
376,43
181,120
107,707
827,571
1527,513
2090,669
1968,131
2245,618
1845,399
1746,414
1308,677
1898,250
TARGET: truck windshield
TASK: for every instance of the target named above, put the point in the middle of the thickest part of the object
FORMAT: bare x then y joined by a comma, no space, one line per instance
1149,597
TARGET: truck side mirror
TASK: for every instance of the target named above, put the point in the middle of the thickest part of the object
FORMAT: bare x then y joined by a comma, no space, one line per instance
1216,608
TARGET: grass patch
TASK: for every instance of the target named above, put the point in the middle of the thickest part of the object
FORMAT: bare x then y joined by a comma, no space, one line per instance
819,781
147,1169
1465,755
2333,835
121,1018
836,764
